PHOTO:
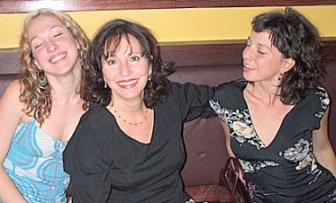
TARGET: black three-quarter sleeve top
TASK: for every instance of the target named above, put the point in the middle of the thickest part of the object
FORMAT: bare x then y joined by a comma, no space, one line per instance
106,165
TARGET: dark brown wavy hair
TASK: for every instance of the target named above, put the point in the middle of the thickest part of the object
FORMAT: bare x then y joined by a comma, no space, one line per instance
108,38
37,100
297,38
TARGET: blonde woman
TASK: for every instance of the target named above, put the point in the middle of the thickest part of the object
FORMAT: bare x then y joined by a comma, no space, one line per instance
40,110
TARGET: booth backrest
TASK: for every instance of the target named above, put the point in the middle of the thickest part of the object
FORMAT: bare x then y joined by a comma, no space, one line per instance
204,138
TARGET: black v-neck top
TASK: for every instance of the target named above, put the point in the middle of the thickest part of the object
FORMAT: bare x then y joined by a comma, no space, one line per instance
285,170
106,165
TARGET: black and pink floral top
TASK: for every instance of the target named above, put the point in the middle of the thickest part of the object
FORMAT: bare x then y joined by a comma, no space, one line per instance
286,170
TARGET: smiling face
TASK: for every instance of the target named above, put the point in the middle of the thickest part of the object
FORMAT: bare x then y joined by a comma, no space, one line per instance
126,70
52,45
262,60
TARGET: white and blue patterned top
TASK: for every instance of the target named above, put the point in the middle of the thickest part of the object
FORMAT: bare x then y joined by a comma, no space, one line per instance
35,164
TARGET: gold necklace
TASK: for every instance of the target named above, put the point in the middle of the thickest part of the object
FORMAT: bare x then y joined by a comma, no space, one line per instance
126,121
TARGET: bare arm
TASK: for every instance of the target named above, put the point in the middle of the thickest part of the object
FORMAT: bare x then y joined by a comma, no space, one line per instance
10,115
323,150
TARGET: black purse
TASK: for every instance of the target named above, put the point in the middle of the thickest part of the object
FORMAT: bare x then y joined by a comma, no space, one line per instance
234,179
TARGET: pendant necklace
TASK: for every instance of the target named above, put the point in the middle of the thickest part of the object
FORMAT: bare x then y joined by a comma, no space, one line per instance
126,121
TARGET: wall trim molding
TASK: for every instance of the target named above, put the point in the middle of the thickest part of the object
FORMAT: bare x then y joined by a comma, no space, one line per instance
22,6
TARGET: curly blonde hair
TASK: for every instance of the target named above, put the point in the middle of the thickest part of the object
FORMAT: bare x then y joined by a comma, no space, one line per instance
37,99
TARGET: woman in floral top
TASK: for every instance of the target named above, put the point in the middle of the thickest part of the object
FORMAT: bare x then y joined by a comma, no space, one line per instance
277,116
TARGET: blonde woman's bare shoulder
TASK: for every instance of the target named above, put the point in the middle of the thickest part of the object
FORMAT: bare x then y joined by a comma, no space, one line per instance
11,94
13,88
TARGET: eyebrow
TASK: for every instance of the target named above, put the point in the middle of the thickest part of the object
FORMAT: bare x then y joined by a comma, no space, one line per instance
111,52
262,45
53,27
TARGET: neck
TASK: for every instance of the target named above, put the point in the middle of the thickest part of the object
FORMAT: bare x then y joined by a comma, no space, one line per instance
63,91
133,117
266,93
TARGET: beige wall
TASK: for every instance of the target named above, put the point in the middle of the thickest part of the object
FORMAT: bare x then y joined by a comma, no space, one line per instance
179,25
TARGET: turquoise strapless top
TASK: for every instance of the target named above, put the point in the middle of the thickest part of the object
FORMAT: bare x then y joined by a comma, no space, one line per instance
35,164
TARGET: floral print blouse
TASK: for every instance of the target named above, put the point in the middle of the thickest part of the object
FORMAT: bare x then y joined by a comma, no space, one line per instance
285,170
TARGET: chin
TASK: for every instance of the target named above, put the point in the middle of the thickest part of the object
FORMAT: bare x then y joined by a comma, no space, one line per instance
249,79
246,76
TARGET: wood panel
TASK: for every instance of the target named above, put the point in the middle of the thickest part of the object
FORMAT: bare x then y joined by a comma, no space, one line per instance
17,6
183,54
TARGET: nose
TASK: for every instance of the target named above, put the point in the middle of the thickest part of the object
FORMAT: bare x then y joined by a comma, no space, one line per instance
247,53
125,69
51,46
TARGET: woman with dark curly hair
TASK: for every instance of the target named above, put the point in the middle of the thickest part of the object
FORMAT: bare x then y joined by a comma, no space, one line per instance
40,110
276,119
128,146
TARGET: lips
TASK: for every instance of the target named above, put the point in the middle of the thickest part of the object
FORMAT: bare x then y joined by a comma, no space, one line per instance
248,67
127,83
57,58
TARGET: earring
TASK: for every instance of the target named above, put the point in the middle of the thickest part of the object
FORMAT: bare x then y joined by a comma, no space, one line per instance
105,84
150,77
280,76
81,60
43,82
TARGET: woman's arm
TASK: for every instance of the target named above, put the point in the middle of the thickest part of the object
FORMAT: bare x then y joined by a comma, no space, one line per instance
83,160
10,115
323,150
194,100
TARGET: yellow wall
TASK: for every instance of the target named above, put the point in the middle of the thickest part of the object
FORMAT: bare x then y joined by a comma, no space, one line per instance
179,25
